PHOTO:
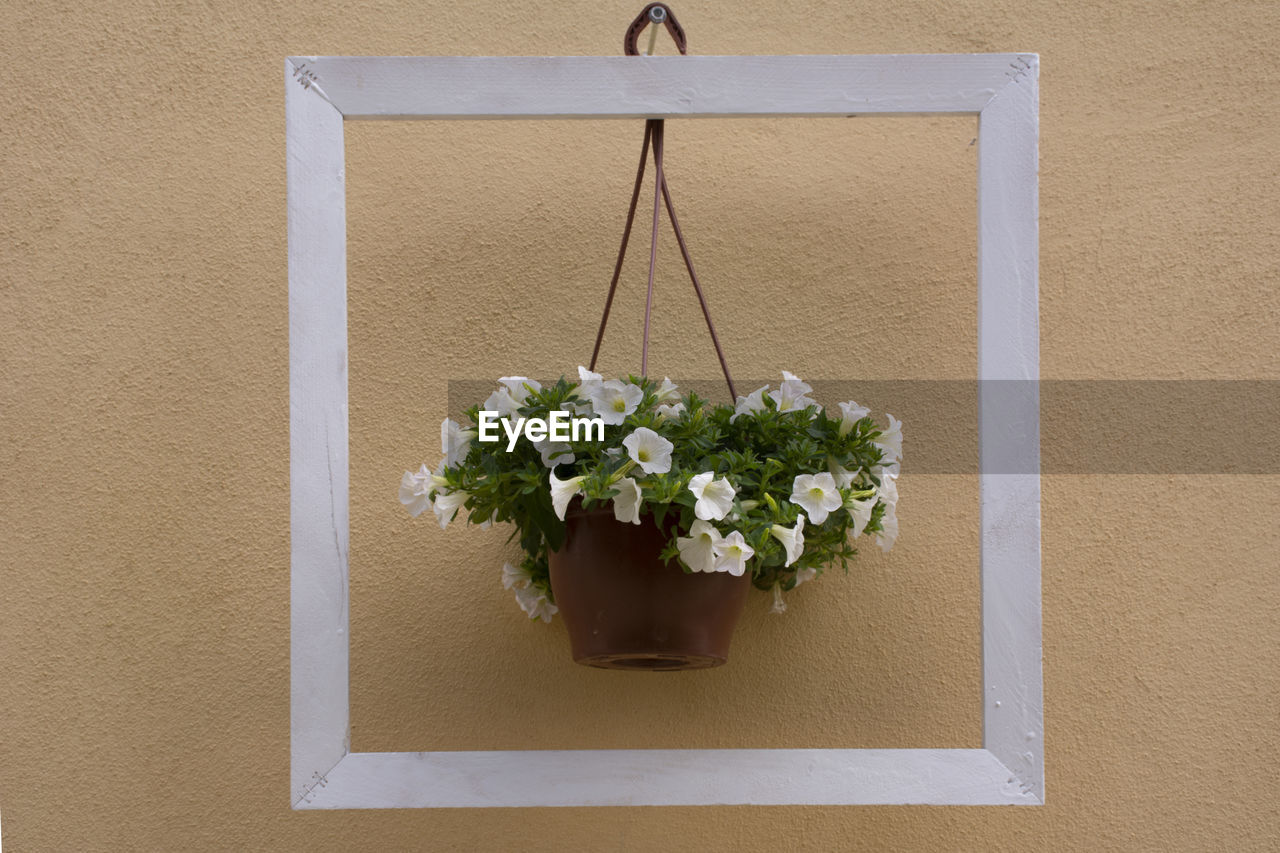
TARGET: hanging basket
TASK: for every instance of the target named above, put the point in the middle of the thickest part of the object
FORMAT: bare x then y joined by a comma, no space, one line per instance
626,608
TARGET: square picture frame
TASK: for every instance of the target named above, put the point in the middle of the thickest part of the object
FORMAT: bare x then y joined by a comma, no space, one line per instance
1001,90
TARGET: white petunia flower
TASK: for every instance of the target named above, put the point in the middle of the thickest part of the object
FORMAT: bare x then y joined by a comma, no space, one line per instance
817,493
887,491
850,414
626,503
888,534
534,602
515,578
791,394
792,539
562,491
753,402
697,550
890,440
745,506
455,441
502,402
860,511
887,494
520,387
438,480
614,400
588,381
715,497
732,553
511,396
843,476
555,453
670,410
894,468
666,391
650,451
779,606
805,575
446,506
415,491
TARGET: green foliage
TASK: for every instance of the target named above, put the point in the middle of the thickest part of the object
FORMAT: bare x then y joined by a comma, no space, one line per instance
760,453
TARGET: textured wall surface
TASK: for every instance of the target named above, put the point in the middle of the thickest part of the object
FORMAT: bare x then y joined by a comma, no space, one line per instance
144,649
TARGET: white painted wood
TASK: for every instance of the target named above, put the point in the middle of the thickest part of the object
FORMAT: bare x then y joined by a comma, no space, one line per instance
1009,426
1001,89
678,777
639,87
317,433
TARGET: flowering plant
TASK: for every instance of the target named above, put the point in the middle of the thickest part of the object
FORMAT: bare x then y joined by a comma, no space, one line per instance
774,485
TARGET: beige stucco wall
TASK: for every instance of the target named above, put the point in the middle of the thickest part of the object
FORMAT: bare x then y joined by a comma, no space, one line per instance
144,417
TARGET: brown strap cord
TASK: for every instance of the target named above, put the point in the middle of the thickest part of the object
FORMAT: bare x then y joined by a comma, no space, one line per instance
626,237
653,133
653,243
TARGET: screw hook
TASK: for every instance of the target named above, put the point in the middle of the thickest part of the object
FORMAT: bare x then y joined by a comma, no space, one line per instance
655,15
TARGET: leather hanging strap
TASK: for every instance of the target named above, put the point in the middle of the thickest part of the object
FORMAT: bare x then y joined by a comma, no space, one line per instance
697,288
626,238
653,137
654,13
653,241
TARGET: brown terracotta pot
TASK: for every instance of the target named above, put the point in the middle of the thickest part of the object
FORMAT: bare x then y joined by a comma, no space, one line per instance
627,609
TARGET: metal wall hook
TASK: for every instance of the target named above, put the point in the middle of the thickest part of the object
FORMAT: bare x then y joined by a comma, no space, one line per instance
655,14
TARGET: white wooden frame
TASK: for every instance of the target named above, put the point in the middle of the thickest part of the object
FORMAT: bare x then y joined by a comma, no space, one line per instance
1001,89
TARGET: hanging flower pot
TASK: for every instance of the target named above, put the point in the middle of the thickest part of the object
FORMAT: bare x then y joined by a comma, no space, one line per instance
627,608
643,514
646,520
